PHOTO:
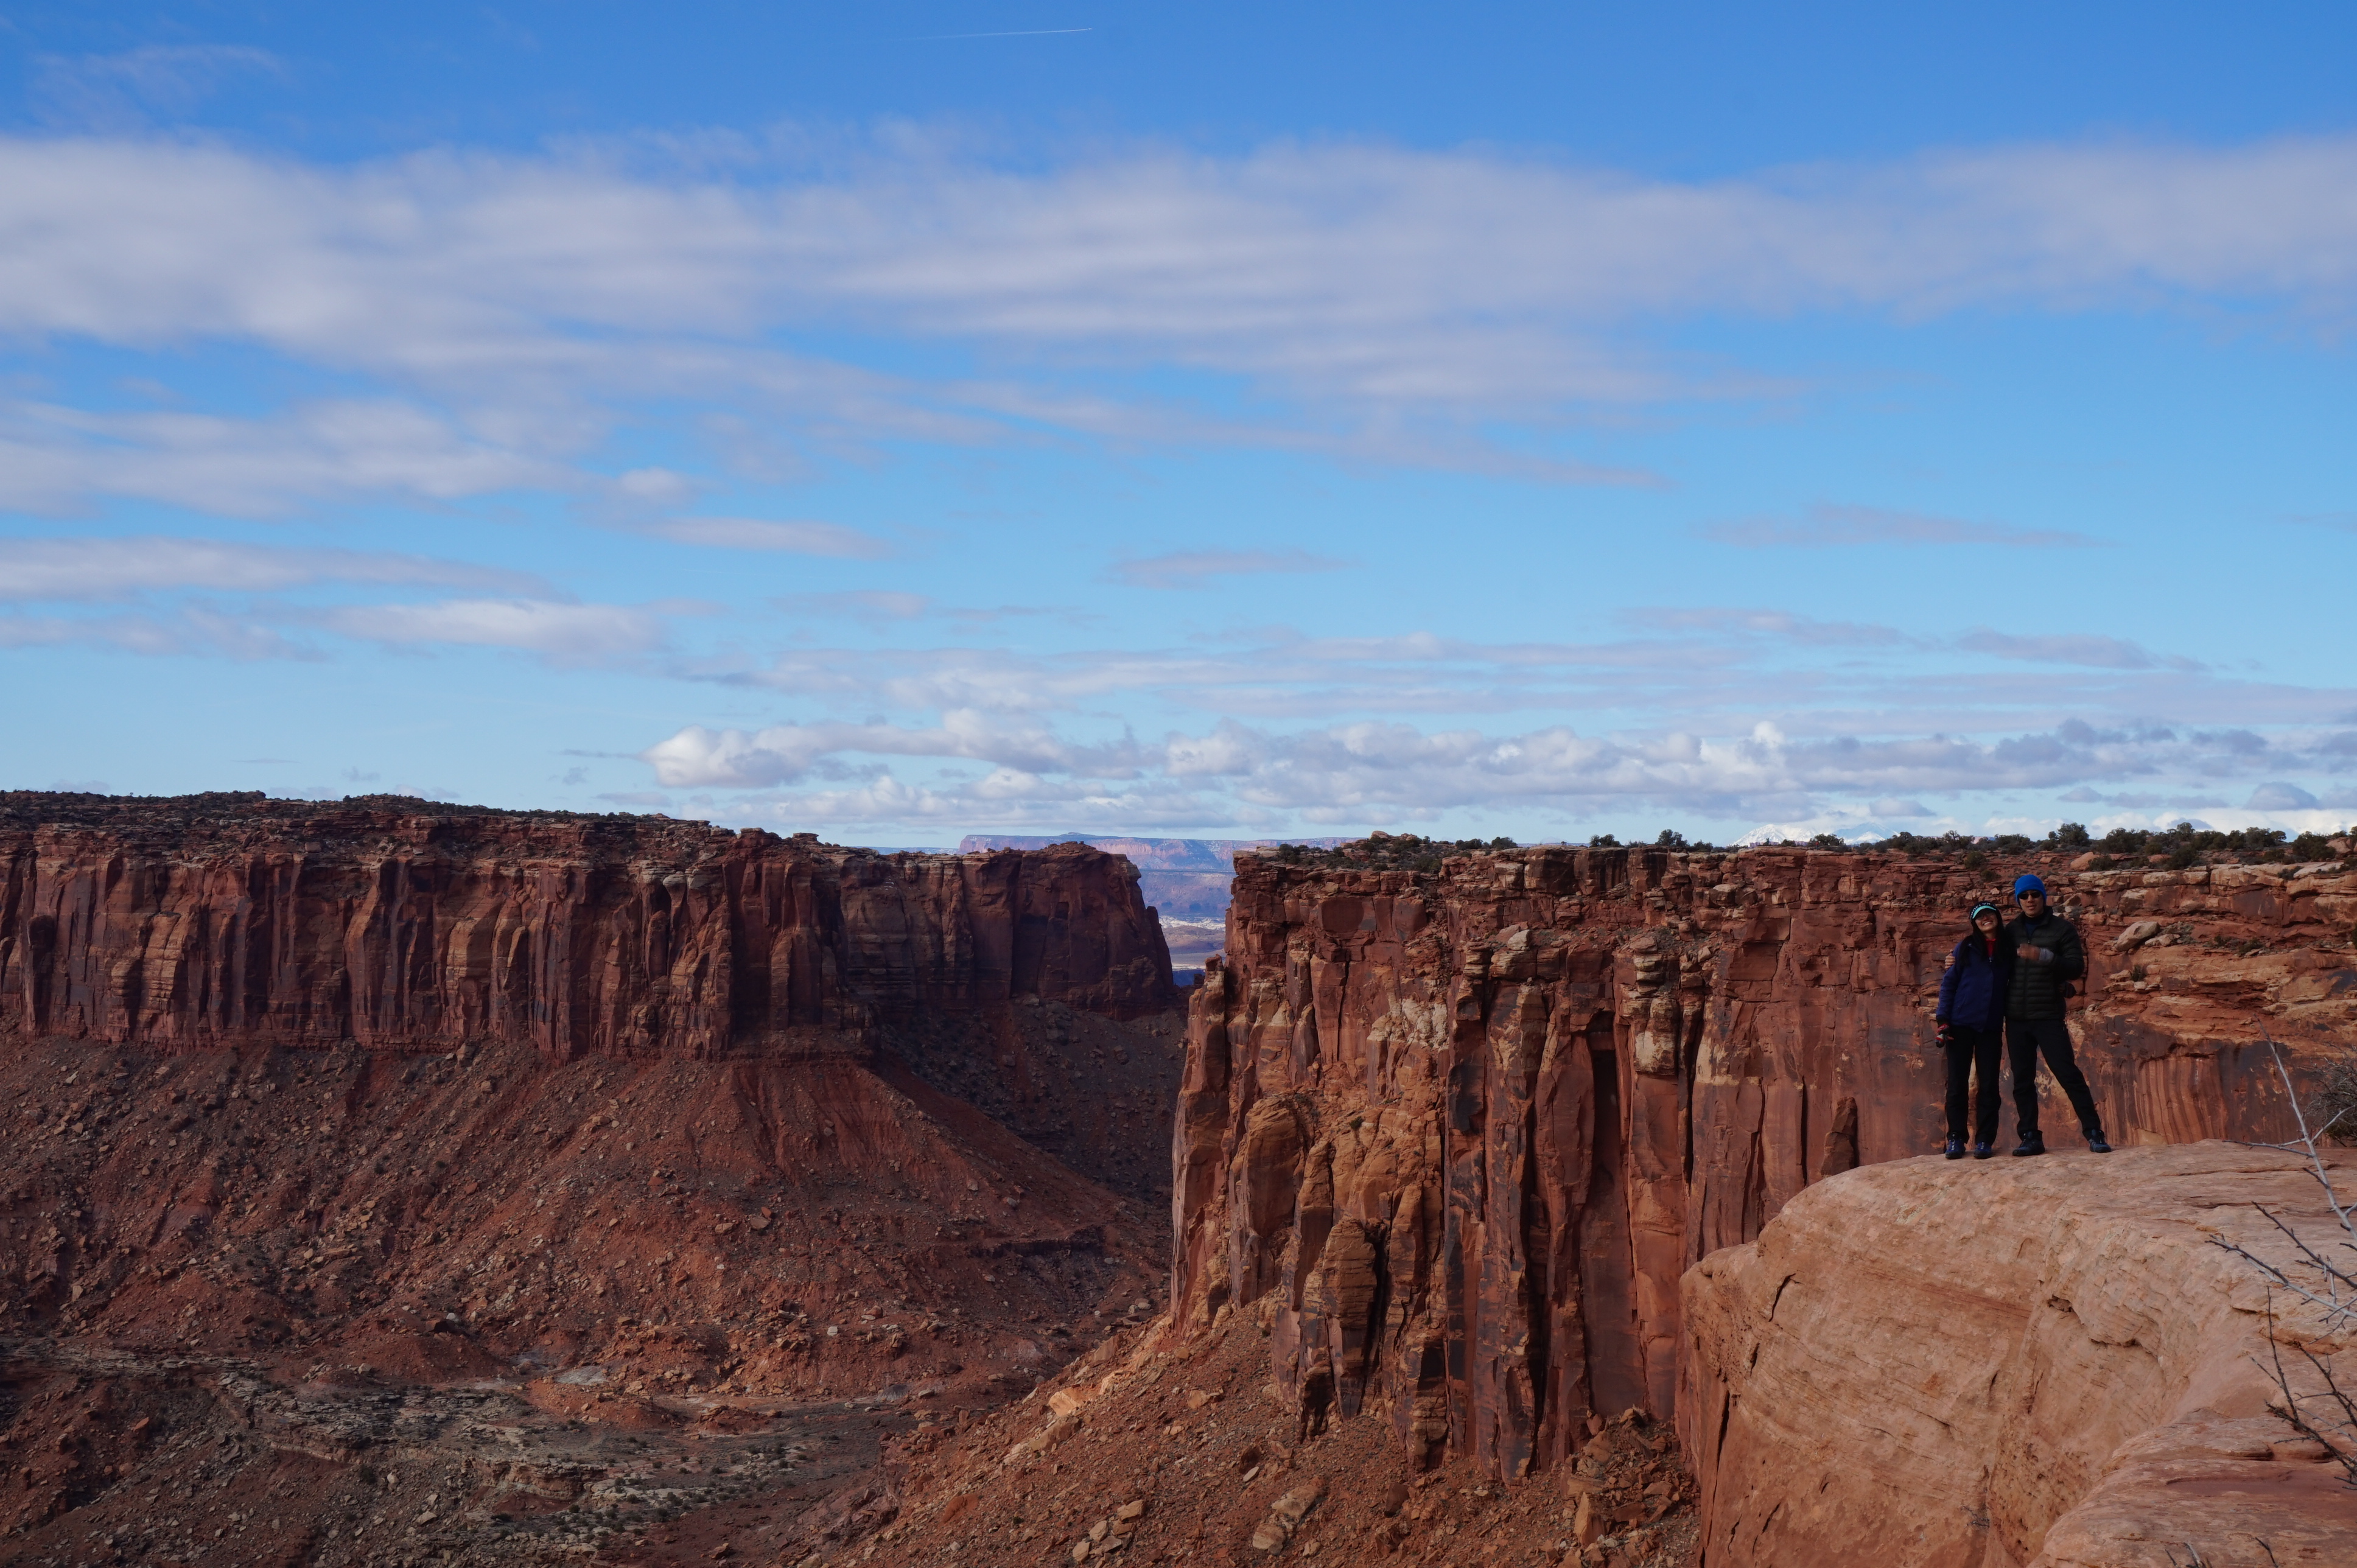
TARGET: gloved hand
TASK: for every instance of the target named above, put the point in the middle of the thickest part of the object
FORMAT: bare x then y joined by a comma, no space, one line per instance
1947,1035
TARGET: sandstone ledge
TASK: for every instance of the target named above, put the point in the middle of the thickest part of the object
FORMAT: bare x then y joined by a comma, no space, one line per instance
2038,1362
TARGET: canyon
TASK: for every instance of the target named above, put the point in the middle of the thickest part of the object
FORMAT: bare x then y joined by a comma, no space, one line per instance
378,1152
1451,1150
1186,880
523,1157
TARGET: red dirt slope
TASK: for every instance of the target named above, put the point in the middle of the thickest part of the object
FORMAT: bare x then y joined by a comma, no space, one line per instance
378,1151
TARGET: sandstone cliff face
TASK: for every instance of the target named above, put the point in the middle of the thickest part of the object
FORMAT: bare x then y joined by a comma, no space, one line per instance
2038,1362
1455,1137
224,920
529,1158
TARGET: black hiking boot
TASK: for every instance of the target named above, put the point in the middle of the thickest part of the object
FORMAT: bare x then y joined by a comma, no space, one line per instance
2031,1144
1984,1151
2096,1143
1955,1148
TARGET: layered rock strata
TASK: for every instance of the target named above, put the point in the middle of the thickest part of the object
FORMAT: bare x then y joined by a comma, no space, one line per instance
231,920
1455,1137
2042,1363
605,1136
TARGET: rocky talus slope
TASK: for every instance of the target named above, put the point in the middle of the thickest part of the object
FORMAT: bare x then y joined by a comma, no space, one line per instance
1448,1143
2044,1363
384,1180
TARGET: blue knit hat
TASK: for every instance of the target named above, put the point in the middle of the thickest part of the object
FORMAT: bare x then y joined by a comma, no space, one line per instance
2026,883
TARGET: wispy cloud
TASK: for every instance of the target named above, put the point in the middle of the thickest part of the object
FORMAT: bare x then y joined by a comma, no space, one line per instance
1826,526
34,570
568,634
1725,713
864,603
124,91
1376,771
2279,796
799,537
2095,652
1781,625
1196,568
1381,303
56,460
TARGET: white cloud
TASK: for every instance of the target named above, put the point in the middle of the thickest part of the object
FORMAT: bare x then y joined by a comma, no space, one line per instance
699,758
1379,771
877,603
1382,301
828,539
188,629
2096,653
72,569
2279,796
571,634
56,460
121,91
1826,525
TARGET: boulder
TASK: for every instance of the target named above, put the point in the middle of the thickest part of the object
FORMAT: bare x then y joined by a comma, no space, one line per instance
2033,1364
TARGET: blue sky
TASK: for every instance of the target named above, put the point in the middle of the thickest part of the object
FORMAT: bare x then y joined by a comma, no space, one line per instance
901,421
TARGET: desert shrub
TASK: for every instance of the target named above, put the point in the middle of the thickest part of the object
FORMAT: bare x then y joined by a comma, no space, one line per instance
1388,852
2334,1108
2312,846
2323,1408
1604,841
1828,840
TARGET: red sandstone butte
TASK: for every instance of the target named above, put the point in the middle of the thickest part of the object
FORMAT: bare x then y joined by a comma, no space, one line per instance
2041,1362
601,1145
206,921
1455,1138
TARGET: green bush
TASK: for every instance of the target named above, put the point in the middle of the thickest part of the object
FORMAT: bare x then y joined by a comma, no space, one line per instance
2312,846
1388,852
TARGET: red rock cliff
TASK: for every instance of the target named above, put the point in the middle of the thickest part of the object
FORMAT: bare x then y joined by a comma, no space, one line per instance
643,1134
230,919
2050,1363
1455,1137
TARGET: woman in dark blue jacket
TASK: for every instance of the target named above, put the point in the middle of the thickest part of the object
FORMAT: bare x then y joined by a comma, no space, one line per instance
1971,1016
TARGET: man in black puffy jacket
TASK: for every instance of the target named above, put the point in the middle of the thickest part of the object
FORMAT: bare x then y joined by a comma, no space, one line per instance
2047,957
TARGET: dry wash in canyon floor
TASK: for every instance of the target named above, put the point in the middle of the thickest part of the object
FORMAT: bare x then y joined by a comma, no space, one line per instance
395,1183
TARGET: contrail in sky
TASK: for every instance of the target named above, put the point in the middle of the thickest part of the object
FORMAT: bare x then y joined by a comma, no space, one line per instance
1029,33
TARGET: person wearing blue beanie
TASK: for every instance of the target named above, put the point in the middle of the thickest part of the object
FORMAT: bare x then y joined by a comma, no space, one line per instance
2048,956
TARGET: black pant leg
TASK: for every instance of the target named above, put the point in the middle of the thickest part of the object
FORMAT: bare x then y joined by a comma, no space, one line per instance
2021,1056
1960,1067
1986,1045
2054,1040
